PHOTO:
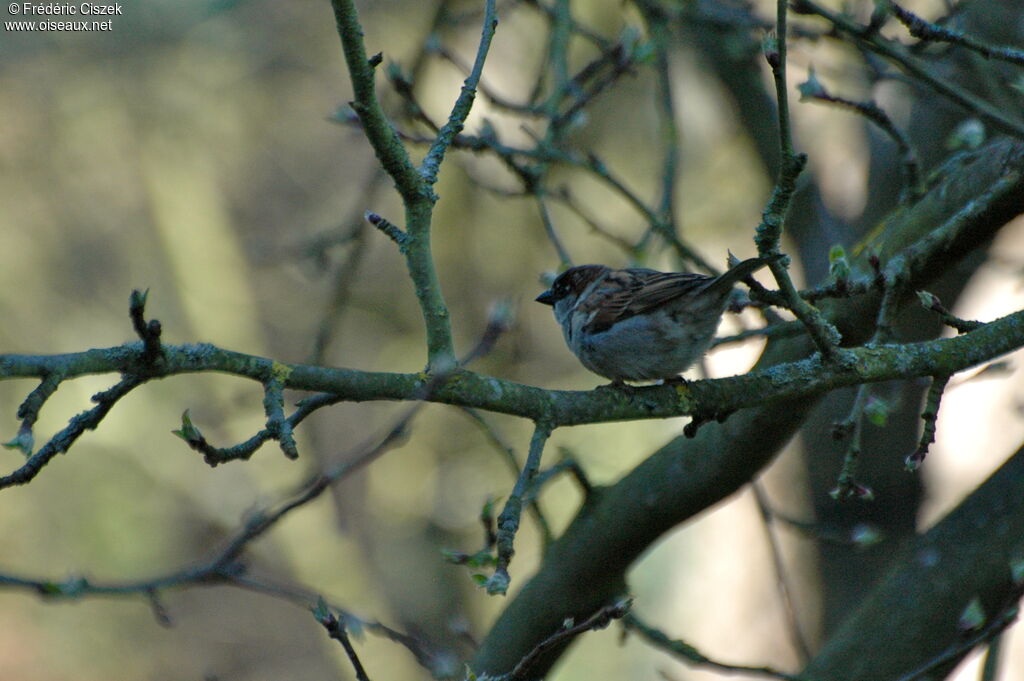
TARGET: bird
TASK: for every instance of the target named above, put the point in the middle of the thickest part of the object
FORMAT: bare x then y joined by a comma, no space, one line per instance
637,324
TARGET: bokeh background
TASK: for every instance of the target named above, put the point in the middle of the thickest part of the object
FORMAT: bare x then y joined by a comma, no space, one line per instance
190,150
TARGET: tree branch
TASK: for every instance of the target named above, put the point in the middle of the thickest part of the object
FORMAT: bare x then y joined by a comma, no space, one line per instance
415,186
464,388
919,601
585,568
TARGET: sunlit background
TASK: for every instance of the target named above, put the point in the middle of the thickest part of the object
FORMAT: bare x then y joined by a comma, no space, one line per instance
190,151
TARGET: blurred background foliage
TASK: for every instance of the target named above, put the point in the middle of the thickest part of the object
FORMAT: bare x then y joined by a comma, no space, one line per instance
191,151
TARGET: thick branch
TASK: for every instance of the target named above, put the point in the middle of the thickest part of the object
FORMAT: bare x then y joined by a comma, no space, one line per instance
975,552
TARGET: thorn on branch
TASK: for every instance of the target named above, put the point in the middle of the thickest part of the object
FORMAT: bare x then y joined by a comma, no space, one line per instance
930,416
148,332
483,558
374,61
930,301
391,230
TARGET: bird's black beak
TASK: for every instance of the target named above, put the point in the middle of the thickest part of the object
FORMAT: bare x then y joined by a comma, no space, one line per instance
548,298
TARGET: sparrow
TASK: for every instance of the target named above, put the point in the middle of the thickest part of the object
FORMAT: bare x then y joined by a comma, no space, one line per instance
637,324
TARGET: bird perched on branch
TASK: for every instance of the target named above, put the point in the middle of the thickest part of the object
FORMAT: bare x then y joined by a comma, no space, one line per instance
637,324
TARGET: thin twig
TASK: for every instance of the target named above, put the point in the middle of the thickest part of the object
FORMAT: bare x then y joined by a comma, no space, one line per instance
813,90
345,276
508,521
335,627
930,416
566,197
509,456
565,260
897,54
769,233
847,486
927,31
796,632
931,302
460,110
996,626
570,630
497,100
691,655
63,440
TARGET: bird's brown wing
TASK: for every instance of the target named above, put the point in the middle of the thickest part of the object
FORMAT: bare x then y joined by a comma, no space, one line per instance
633,291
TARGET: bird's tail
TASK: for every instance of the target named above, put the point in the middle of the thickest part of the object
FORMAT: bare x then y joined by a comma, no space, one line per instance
738,272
